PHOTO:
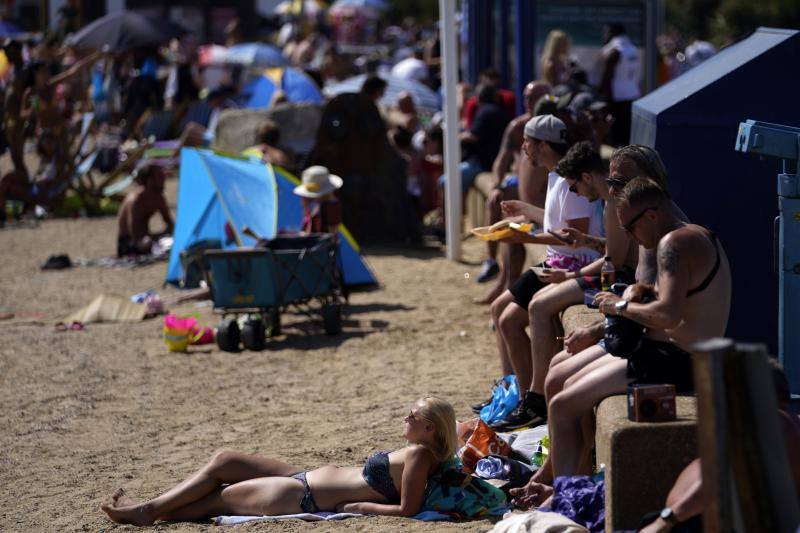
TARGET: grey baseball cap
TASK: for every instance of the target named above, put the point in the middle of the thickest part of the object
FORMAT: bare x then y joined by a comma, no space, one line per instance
546,128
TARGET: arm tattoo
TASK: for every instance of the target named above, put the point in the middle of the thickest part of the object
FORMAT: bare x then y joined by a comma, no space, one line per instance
597,244
646,272
668,259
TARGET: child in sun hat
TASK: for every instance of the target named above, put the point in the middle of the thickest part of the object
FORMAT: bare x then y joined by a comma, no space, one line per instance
322,210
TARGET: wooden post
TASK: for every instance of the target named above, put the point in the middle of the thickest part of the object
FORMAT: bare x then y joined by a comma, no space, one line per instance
711,433
745,467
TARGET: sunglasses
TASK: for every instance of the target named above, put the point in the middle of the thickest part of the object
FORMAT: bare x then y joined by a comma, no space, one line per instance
574,187
415,417
616,183
629,226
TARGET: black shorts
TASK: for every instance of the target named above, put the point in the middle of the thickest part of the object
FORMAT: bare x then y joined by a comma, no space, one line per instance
526,286
126,245
657,362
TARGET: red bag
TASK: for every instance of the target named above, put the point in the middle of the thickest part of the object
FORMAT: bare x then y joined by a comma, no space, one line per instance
483,441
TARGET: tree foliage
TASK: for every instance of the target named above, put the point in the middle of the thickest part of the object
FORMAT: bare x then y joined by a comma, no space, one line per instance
724,21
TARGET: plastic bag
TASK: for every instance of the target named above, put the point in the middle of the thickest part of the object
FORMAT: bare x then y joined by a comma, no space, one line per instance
504,400
483,442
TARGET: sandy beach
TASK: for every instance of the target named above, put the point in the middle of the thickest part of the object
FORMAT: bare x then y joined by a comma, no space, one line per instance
85,412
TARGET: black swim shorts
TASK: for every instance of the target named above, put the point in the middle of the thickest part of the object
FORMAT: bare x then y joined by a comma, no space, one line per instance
526,286
657,362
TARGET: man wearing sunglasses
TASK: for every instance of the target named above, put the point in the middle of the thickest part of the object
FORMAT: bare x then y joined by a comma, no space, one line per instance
582,346
690,302
584,171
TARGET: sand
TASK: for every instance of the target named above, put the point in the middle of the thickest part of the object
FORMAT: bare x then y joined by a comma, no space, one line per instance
85,412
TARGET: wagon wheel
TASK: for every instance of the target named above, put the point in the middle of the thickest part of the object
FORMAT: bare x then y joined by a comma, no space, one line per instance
332,318
228,335
254,335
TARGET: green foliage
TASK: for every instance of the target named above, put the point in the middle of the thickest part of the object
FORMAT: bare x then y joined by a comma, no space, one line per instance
724,21
690,17
424,12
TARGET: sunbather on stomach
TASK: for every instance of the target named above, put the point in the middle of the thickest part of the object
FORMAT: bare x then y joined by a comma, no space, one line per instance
234,483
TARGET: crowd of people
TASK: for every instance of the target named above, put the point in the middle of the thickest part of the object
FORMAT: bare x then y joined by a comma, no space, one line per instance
673,277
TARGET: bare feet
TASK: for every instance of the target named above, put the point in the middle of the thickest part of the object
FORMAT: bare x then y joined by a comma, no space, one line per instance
124,511
120,499
496,290
532,495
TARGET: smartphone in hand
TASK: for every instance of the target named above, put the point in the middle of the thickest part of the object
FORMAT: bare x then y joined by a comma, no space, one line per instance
565,240
588,298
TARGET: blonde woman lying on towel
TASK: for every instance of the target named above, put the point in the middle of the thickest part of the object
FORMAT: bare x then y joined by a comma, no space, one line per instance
232,483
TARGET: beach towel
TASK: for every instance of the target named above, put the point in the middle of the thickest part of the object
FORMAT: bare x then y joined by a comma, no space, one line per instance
108,308
427,516
539,521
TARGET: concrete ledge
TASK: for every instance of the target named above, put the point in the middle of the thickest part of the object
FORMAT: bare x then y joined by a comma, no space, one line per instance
578,316
642,460
475,201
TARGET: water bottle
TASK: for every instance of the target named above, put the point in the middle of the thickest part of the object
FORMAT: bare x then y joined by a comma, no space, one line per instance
607,274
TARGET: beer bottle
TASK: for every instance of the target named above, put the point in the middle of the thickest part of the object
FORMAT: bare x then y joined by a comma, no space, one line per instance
607,274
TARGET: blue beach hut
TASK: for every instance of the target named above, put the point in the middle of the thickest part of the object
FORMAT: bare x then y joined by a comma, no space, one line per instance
693,121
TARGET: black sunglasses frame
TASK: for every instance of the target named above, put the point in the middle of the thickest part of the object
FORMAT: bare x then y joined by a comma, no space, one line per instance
629,226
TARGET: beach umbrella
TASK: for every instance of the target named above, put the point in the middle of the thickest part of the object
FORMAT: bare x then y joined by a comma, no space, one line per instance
210,54
424,98
378,5
5,66
8,30
311,8
123,30
255,55
297,86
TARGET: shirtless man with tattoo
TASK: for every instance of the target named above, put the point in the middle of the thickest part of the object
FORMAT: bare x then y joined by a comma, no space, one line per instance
690,302
581,346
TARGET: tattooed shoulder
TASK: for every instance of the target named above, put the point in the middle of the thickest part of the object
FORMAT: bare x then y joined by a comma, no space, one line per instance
668,258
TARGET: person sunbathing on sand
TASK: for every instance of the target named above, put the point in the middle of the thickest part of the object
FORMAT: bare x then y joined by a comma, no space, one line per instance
390,483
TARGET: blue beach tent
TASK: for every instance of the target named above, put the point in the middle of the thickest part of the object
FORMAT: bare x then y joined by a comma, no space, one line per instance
296,84
693,121
215,190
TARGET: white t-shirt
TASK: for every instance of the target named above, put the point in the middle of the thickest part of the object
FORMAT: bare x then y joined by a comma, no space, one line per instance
562,205
628,71
411,69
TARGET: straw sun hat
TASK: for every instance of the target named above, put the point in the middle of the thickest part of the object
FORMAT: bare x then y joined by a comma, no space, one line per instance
317,182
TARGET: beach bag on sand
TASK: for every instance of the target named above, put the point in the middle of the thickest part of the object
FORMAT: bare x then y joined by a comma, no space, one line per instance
504,400
452,491
483,441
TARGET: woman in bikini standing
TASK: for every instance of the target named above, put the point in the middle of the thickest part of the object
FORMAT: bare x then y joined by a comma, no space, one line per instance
390,483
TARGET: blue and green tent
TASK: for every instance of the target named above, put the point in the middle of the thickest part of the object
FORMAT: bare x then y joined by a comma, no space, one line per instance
218,190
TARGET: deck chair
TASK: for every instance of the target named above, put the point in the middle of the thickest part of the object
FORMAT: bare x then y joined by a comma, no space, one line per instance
158,125
81,157
92,190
